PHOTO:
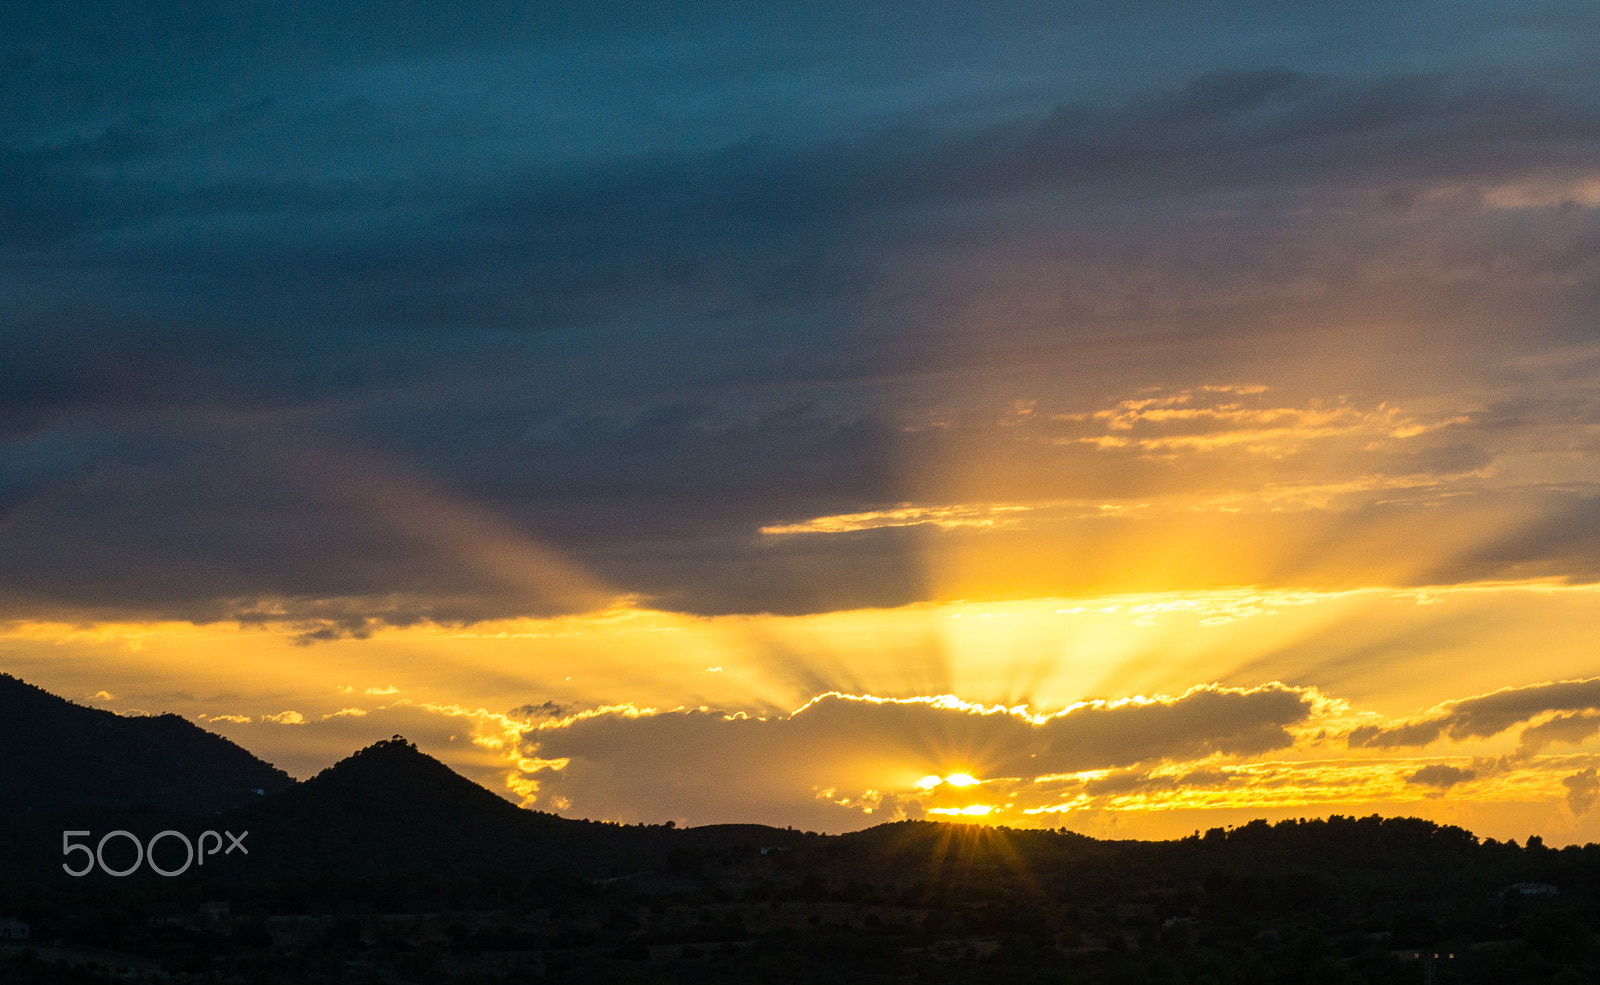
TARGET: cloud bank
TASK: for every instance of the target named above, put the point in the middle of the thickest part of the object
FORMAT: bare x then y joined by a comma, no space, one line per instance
840,747
279,305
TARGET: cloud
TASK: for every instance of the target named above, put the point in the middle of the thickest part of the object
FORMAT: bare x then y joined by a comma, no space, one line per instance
1490,714
1441,775
842,754
1214,418
1137,781
904,515
544,710
1395,736
1583,789
716,298
1202,722
1570,727
1493,713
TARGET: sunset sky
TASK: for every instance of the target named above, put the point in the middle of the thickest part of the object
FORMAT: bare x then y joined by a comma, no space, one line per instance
1133,417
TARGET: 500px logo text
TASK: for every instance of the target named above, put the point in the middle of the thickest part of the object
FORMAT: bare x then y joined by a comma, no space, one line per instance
144,853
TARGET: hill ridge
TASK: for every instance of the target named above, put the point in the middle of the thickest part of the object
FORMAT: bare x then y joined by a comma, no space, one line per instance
55,753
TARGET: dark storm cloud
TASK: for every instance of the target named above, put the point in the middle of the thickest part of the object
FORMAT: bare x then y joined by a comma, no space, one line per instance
757,226
631,284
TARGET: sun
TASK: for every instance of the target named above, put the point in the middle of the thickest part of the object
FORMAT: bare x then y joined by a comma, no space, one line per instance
954,779
971,810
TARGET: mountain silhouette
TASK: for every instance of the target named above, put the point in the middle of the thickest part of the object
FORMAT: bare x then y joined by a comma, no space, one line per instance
392,778
390,807
58,755
391,862
383,811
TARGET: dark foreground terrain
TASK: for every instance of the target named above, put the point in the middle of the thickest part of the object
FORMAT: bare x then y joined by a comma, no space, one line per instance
391,868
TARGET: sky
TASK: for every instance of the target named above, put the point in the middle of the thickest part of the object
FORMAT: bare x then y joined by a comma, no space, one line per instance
1130,417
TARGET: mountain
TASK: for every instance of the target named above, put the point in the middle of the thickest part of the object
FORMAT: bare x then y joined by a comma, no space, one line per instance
391,808
385,810
58,755
389,861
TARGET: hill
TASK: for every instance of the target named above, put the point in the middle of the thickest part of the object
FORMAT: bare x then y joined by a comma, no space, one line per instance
392,807
58,755
391,865
393,811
